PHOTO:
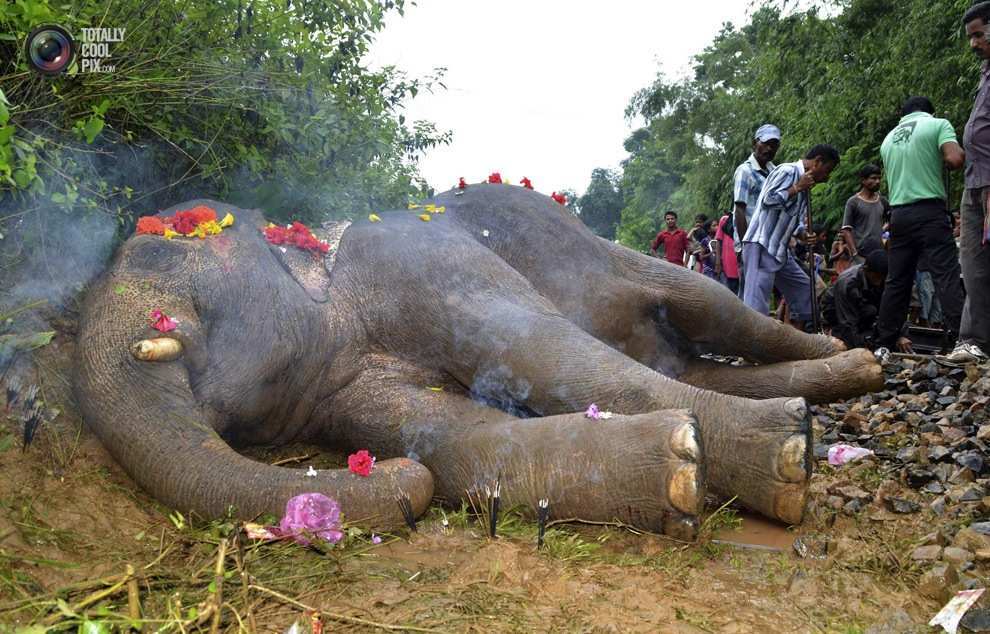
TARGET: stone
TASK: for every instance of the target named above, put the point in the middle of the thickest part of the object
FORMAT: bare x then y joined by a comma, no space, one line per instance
852,507
835,502
852,492
983,433
962,475
976,620
897,622
936,537
909,454
953,434
981,527
938,505
934,487
939,453
927,553
971,540
937,583
917,477
982,555
971,460
900,505
956,555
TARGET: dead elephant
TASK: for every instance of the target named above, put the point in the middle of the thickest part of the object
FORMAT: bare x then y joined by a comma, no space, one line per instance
506,302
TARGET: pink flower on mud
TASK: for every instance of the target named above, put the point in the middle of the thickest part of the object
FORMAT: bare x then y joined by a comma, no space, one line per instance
161,322
311,515
593,412
361,462
376,539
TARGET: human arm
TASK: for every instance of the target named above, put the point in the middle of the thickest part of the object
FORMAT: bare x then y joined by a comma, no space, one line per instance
740,196
846,231
656,244
740,219
952,155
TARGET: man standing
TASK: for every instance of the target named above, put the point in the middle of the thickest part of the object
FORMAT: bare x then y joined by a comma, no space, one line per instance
674,240
974,329
748,183
726,265
866,212
913,154
781,211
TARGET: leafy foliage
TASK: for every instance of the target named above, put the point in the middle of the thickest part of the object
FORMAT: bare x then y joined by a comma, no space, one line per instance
836,73
601,205
264,103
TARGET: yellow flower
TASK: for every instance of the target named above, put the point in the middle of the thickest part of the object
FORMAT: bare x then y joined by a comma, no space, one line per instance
439,210
434,389
374,218
424,217
228,220
413,206
430,208
209,228
270,225
169,234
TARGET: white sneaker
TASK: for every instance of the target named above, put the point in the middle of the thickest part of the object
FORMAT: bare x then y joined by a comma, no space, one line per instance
963,353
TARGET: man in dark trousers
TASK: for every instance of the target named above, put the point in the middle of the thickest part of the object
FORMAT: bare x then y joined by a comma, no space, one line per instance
974,329
914,154
674,240
851,305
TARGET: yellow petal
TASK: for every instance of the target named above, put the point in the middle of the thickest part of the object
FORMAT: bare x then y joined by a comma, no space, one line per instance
413,206
169,234
430,207
439,210
228,220
270,225
374,218
434,389
424,217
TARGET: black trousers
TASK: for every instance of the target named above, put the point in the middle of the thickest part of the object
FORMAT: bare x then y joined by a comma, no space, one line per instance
975,326
920,228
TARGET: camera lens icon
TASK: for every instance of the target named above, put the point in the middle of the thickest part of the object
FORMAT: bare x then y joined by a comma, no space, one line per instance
49,49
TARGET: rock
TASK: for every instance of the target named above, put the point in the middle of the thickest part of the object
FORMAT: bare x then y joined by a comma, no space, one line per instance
939,453
909,454
953,434
852,492
900,505
956,555
971,460
982,554
887,488
835,502
937,583
976,620
983,433
855,423
898,622
938,505
981,527
821,451
917,477
937,537
971,540
852,507
934,487
927,553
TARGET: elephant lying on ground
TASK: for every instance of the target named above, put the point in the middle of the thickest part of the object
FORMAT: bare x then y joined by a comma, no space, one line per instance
506,302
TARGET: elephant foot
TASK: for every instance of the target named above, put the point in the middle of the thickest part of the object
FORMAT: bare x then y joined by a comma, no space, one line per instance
760,452
645,470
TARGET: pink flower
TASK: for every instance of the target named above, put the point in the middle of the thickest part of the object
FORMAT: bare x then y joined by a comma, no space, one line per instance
525,182
311,515
375,539
560,198
161,322
495,178
593,412
361,463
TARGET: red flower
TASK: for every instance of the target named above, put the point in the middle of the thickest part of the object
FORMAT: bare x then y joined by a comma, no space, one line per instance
161,322
202,213
495,177
562,199
184,222
361,462
297,235
525,182
151,224
461,184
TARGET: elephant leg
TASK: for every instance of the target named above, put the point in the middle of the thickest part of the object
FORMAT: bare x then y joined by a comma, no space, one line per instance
644,470
843,376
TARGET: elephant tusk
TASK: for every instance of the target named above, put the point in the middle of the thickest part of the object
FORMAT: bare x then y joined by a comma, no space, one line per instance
159,349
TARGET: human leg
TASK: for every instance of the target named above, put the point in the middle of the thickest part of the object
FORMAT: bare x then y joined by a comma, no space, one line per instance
759,277
976,270
902,262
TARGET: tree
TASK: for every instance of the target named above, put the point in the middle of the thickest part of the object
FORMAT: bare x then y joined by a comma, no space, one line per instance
601,205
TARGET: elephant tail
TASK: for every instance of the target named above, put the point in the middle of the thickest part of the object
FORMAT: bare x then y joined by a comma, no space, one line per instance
146,415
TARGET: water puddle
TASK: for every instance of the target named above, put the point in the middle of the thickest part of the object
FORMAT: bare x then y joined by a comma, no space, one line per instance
757,533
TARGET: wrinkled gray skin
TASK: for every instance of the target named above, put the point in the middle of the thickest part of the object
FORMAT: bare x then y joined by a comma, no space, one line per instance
506,302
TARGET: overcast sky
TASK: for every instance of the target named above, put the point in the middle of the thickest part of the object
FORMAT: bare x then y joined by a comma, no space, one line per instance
538,88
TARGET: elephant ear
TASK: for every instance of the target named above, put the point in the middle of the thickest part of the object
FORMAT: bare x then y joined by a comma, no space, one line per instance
309,269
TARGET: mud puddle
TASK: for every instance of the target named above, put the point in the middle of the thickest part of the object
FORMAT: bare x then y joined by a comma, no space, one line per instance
757,533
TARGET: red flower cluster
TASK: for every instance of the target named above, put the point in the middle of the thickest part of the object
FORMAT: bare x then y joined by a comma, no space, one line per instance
525,182
186,221
297,235
461,184
162,322
560,198
361,462
151,225
495,178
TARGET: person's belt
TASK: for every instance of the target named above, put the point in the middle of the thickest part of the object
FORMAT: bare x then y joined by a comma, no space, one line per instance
923,201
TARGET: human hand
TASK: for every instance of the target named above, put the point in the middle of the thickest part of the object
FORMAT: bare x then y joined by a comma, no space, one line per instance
904,345
809,238
807,181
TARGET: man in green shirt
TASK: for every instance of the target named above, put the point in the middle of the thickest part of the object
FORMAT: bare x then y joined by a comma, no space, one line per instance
914,154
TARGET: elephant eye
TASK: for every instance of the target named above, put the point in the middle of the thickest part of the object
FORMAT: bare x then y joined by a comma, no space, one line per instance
154,254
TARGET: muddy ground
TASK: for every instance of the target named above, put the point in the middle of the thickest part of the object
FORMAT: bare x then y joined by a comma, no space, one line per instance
72,525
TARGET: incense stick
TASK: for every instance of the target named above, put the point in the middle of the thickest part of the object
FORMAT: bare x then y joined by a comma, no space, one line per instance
494,502
405,505
542,515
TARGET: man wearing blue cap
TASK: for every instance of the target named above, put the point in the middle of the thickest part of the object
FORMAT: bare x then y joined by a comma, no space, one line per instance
748,182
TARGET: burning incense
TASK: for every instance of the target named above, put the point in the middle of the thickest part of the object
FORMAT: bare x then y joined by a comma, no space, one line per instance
542,515
13,389
494,500
405,505
30,426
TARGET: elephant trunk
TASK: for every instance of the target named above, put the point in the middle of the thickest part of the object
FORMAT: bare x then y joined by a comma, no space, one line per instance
145,413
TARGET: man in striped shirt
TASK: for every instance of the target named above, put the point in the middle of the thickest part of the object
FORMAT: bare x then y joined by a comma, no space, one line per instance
781,212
